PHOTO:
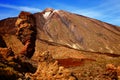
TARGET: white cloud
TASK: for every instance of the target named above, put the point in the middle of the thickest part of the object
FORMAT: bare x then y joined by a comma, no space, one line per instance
89,13
29,9
107,10
21,8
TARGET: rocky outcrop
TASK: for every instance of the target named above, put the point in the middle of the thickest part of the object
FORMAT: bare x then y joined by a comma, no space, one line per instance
2,42
26,32
48,69
113,72
6,52
6,65
12,66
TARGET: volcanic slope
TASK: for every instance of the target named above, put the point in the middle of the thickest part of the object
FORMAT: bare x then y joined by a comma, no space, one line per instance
77,31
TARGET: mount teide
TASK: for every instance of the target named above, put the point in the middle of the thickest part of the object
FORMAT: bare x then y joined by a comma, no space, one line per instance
77,32
71,30
72,39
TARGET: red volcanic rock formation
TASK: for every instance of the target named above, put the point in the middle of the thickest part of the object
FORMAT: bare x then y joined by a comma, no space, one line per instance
26,32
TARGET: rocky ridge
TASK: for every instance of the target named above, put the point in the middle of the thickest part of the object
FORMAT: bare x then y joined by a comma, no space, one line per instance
78,32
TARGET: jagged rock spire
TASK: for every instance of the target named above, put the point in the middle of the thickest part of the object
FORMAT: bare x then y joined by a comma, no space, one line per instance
26,32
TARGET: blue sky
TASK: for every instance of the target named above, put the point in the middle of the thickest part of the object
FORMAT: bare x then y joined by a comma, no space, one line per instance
104,10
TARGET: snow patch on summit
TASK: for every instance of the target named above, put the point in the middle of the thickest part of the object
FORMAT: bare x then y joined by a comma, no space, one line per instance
46,14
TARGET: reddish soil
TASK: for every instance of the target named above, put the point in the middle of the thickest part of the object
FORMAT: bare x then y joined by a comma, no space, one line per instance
72,62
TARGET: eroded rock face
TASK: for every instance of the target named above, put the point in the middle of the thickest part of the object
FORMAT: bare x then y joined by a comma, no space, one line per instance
48,69
12,66
112,71
2,42
6,52
26,32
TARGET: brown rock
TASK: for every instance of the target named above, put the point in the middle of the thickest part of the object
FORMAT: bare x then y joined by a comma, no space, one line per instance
25,15
26,32
24,50
118,71
110,67
6,52
111,72
49,69
2,42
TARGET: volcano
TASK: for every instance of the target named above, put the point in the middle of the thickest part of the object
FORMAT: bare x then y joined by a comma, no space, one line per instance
75,41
